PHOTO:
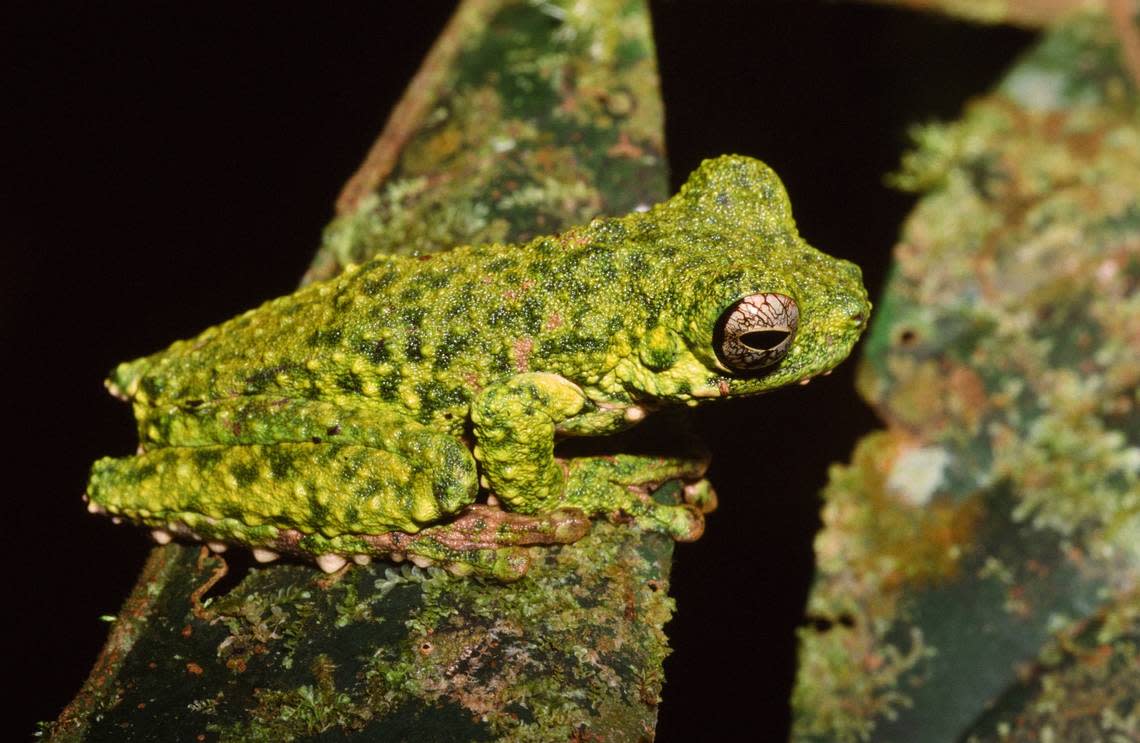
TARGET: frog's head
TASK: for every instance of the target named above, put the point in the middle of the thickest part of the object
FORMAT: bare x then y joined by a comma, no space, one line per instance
758,308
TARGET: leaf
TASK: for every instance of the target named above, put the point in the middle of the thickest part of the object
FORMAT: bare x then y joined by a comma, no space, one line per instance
979,569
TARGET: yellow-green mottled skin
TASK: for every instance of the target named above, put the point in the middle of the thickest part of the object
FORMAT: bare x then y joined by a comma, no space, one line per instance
340,410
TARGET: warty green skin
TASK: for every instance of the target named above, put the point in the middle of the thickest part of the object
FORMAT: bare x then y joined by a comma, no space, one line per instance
335,420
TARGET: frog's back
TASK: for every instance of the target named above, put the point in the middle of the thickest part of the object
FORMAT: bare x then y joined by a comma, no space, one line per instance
423,333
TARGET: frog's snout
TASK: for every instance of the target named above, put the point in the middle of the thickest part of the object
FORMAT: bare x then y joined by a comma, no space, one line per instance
857,307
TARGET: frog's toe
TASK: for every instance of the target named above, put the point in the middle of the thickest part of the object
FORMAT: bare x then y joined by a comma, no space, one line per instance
459,569
570,525
684,522
331,563
510,563
263,555
702,495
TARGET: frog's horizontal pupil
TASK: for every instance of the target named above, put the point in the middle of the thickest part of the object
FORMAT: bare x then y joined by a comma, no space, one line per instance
764,340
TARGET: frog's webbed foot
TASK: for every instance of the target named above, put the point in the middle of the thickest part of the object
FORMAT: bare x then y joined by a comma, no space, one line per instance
485,540
623,484
480,540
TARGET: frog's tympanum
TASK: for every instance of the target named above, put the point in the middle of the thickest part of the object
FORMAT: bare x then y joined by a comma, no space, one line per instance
410,407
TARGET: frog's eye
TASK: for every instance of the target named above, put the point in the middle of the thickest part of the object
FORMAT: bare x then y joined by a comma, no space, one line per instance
756,332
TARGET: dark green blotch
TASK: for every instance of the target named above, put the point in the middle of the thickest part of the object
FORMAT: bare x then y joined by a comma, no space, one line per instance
350,381
280,462
412,318
570,344
413,349
367,488
503,363
257,382
412,292
318,511
151,387
325,337
373,285
638,264
232,510
245,474
460,303
205,457
435,397
452,344
533,313
499,265
438,279
375,351
350,468
139,474
389,384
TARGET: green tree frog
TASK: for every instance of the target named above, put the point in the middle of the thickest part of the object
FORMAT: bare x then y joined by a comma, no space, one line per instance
410,406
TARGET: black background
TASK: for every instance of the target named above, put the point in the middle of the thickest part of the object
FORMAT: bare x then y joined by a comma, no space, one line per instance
168,167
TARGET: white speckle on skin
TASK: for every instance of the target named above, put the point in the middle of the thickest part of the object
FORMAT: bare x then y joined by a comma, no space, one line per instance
634,413
918,473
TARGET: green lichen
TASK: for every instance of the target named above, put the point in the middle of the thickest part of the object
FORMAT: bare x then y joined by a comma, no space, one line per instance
548,658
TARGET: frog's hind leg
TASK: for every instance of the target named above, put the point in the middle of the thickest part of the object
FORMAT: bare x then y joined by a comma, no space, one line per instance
333,502
253,494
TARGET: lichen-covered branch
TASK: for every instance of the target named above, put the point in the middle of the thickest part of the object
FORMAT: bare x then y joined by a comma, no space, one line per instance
980,558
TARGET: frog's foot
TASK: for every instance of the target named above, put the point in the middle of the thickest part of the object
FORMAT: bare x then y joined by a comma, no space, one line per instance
623,484
485,540
480,539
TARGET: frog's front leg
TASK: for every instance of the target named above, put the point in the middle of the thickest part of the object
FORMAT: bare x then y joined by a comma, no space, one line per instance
516,421
624,483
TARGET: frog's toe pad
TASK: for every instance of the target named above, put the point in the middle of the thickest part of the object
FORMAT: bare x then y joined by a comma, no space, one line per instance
331,563
702,495
684,522
690,523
